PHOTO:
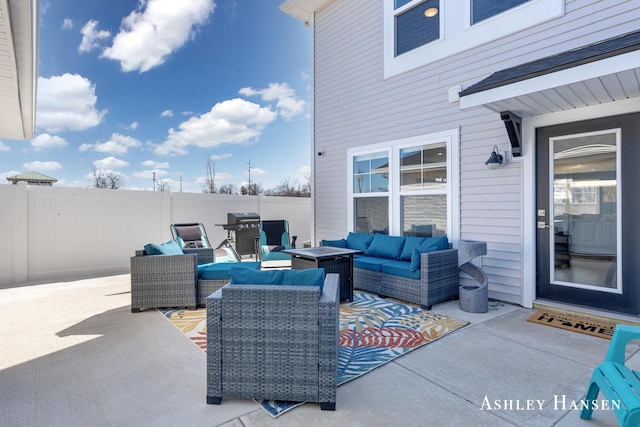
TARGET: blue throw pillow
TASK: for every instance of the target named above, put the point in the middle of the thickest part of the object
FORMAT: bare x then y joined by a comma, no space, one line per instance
410,243
359,241
430,244
341,243
169,248
308,277
248,276
384,246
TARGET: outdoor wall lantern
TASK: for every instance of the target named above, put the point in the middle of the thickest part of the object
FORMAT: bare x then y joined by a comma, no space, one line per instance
496,159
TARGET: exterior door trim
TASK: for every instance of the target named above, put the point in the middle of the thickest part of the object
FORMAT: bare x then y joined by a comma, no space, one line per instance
528,160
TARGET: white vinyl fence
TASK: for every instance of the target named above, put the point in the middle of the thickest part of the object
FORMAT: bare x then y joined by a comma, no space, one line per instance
55,234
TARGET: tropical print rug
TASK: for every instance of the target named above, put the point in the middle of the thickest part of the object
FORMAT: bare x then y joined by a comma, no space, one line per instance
373,331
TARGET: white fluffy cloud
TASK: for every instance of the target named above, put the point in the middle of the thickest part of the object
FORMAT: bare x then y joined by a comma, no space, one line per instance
4,147
42,166
67,24
117,144
44,141
155,165
288,104
67,102
91,36
166,113
234,121
155,30
110,163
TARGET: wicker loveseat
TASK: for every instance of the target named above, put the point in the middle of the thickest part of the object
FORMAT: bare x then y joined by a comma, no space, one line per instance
274,341
421,270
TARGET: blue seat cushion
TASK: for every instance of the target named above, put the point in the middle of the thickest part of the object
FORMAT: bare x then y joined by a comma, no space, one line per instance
431,244
274,253
220,270
400,268
369,263
168,248
385,246
341,243
359,241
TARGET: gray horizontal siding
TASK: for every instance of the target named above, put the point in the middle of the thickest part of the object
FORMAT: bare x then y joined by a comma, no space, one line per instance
355,106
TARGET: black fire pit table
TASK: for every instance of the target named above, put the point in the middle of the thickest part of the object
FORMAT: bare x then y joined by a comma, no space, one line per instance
333,260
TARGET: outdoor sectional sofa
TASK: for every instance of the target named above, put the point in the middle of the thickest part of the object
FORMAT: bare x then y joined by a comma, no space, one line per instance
169,276
421,270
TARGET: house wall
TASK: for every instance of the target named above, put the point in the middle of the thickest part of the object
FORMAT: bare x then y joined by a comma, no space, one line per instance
55,233
355,106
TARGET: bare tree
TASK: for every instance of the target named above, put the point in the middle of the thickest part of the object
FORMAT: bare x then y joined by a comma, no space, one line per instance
103,179
228,189
289,189
251,189
210,182
162,185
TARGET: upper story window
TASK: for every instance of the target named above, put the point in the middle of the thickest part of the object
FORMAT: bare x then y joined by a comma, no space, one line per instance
416,24
420,32
371,173
485,9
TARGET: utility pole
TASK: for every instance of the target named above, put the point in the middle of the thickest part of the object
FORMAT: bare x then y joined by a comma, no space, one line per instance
249,163
154,181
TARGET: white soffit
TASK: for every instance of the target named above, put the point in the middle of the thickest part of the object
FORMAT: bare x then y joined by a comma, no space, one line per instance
303,9
608,80
603,72
18,67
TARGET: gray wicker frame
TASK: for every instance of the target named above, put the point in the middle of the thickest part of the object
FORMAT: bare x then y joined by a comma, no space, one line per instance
274,342
208,286
439,280
166,280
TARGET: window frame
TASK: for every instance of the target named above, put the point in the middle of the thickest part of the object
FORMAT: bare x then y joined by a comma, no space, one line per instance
456,32
451,138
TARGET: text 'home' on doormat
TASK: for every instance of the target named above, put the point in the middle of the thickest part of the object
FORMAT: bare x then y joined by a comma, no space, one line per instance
584,325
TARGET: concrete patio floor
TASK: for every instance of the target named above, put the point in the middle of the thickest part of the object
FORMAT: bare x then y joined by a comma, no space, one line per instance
73,354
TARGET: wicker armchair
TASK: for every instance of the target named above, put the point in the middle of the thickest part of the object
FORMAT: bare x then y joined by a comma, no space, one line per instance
166,280
253,353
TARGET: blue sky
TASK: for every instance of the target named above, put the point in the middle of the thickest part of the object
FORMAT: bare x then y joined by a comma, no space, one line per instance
141,86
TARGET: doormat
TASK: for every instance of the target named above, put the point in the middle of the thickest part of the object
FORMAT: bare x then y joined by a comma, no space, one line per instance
581,324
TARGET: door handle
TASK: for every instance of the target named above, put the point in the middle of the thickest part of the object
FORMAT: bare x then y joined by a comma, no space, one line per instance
541,224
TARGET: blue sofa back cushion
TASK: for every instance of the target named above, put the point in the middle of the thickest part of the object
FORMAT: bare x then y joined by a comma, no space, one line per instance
246,276
385,246
423,244
220,270
359,241
430,244
341,243
169,248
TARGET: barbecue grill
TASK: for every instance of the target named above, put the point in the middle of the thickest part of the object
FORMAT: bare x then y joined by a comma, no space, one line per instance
246,227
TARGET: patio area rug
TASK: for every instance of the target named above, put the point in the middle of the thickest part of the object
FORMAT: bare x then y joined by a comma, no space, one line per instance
373,331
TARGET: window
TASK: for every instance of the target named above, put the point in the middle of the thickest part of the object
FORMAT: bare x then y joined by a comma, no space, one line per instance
485,9
371,173
370,178
420,32
417,25
423,187
405,187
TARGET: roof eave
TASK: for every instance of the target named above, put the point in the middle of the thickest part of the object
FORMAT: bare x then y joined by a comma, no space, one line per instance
303,9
